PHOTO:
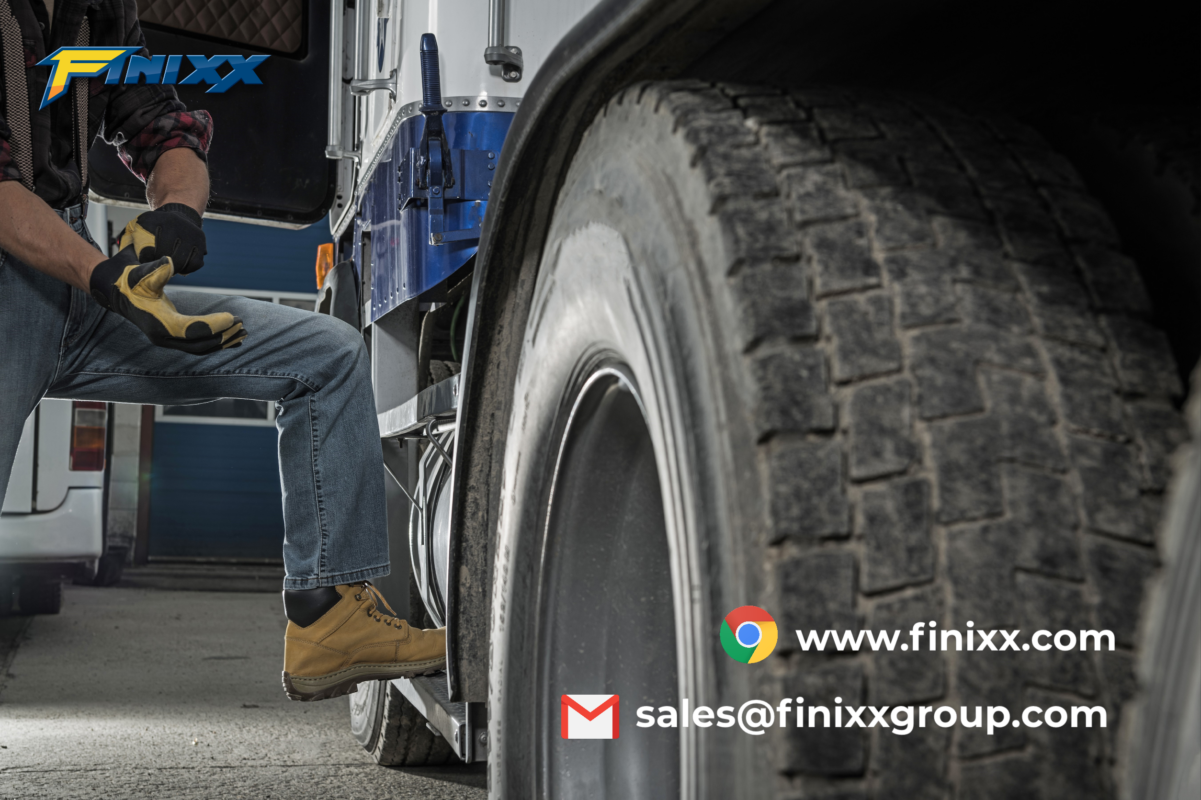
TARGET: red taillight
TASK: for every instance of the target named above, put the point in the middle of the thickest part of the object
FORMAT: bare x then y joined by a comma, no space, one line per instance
88,423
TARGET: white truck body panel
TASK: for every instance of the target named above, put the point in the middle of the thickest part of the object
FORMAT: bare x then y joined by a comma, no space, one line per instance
72,532
53,454
18,499
375,48
51,512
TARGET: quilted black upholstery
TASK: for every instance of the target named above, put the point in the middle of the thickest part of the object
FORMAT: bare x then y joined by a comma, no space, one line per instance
269,24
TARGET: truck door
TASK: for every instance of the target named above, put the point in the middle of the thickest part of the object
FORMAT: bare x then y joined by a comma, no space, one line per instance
267,158
362,114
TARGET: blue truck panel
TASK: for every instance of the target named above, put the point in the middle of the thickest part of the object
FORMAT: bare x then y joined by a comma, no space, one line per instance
404,264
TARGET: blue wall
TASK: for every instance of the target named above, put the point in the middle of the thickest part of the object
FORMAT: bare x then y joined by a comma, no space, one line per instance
214,489
214,492
242,256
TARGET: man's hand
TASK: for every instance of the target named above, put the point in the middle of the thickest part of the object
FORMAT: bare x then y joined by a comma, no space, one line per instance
135,291
174,230
33,233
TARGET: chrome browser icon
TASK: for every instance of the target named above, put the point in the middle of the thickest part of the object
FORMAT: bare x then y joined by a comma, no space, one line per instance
748,634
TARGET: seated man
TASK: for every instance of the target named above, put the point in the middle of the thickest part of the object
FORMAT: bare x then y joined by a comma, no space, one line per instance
77,325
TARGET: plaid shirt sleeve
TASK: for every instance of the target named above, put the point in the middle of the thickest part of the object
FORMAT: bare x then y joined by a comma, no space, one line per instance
143,121
8,167
191,129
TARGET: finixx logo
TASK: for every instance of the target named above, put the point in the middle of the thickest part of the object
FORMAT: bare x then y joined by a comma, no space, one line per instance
748,634
90,62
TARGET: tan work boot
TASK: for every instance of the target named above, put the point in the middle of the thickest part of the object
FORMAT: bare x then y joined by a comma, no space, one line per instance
356,641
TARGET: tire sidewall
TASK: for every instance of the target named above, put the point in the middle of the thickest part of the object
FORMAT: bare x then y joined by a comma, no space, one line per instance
366,707
623,282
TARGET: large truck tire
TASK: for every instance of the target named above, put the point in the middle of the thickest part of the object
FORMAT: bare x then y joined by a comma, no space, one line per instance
1164,750
859,361
393,731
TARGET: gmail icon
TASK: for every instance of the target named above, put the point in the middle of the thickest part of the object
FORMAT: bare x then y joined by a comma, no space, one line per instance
590,716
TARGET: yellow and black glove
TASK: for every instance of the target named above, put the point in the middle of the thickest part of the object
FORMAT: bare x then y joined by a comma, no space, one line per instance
135,291
173,229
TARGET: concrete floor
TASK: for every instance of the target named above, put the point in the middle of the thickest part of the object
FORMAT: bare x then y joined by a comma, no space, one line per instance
143,693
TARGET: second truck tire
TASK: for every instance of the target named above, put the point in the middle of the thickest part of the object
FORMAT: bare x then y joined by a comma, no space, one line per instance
393,731
865,362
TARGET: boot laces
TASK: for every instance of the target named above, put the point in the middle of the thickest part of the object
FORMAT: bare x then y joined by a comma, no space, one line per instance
375,601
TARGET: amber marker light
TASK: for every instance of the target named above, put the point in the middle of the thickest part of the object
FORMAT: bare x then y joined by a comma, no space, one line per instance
325,262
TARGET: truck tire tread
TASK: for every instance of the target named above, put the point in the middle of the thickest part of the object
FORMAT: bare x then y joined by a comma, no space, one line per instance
404,739
963,410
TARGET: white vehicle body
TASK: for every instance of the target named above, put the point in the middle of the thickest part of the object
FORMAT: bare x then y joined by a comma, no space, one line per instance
51,513
380,42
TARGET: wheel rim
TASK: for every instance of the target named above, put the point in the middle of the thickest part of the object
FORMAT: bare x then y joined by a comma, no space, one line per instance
607,622
365,712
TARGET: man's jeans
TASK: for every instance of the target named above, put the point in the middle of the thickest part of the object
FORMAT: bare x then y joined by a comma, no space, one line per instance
58,342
